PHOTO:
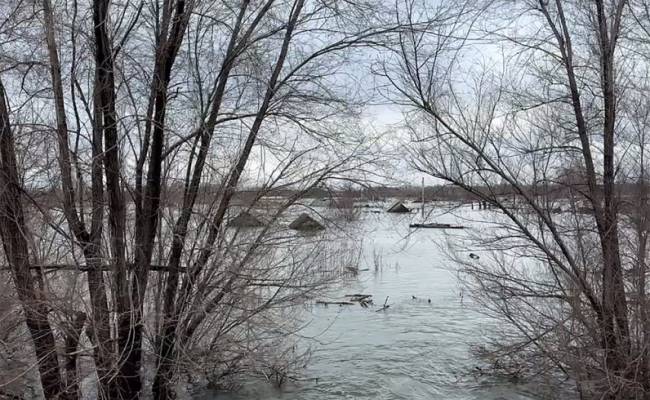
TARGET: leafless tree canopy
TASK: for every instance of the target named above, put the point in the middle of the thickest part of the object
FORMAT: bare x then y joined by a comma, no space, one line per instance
539,108
128,131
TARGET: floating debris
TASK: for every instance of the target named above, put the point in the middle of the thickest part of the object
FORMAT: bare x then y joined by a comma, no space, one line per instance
420,300
385,306
338,303
352,270
364,300
436,225
358,296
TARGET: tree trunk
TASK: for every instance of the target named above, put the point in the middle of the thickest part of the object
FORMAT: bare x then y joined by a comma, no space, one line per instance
13,231
166,342
72,335
127,384
90,242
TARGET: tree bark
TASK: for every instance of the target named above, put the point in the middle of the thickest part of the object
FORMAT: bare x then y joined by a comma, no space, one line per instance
72,335
90,242
166,342
105,122
147,219
13,230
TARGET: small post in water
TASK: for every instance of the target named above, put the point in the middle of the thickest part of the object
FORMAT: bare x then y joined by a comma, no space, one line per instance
422,199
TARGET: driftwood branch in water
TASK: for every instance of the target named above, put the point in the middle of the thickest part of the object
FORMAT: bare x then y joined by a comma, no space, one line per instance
362,299
340,303
385,306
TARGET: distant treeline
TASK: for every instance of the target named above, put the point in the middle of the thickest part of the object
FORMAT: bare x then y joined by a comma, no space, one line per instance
174,193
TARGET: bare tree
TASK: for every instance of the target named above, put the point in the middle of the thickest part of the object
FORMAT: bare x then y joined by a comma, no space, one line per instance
555,91
152,117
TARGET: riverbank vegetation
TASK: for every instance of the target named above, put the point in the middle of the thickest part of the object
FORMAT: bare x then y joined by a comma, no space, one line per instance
133,132
127,287
555,99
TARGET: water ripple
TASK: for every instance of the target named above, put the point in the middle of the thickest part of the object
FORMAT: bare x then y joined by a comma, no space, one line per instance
415,350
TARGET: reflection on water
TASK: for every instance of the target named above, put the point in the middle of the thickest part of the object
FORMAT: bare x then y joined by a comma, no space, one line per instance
413,350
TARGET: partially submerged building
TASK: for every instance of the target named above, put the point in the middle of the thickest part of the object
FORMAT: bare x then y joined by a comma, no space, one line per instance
398,207
306,223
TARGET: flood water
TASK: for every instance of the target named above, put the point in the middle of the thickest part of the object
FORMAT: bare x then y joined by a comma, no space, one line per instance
414,350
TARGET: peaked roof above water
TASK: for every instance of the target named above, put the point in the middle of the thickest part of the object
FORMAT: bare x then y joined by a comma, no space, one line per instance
306,223
398,207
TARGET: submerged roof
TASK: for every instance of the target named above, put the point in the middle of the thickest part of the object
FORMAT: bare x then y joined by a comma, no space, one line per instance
306,223
398,208
245,220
